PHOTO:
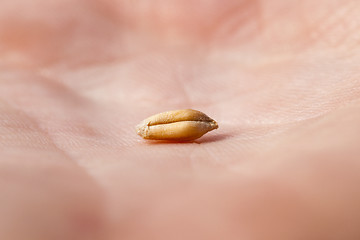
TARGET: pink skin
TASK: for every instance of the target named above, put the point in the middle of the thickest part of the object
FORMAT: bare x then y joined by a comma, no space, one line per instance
280,77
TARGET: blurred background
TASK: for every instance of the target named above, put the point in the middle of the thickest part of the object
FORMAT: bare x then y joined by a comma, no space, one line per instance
281,78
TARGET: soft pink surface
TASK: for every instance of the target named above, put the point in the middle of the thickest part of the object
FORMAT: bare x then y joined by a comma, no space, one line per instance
281,77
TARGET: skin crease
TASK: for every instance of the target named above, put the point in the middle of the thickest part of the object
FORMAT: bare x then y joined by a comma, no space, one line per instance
280,77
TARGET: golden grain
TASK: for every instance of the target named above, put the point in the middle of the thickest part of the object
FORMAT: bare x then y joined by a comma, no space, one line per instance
178,125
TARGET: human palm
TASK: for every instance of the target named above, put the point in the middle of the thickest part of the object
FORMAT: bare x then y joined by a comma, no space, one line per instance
280,78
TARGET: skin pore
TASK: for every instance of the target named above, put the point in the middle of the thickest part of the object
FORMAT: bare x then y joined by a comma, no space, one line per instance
280,77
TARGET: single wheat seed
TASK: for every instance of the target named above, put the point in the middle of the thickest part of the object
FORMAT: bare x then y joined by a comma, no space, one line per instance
178,125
